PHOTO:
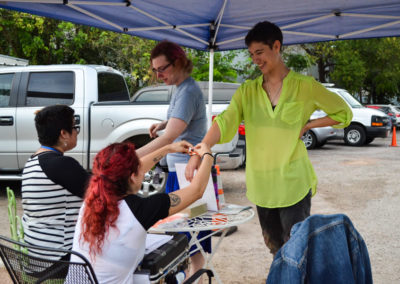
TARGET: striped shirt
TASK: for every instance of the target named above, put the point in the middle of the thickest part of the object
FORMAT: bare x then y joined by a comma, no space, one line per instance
52,189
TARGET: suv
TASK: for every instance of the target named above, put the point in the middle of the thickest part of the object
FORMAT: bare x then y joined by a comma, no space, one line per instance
229,155
366,125
390,110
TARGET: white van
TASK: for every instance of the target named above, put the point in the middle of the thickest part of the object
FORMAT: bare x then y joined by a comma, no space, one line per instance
366,125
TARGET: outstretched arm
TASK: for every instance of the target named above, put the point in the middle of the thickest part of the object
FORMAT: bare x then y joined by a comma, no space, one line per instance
211,138
182,198
151,159
174,128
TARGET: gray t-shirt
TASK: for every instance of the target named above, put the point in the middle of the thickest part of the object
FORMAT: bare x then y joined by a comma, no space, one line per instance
187,104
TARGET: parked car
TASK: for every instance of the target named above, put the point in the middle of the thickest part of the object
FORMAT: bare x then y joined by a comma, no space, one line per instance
366,125
317,137
390,110
103,110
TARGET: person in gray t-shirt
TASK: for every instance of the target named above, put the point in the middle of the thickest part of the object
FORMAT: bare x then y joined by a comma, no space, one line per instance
186,118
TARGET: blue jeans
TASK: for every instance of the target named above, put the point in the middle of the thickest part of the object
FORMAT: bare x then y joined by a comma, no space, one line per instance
322,249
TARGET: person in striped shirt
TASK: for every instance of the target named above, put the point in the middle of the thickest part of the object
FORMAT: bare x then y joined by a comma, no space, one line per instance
53,185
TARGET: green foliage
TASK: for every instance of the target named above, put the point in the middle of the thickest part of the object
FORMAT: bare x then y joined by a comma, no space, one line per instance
297,62
370,65
47,41
349,70
224,70
245,67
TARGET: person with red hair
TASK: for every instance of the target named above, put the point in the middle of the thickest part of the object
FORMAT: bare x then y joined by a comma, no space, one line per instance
113,221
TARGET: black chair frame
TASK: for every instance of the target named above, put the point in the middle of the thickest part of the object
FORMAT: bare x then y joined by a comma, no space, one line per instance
25,268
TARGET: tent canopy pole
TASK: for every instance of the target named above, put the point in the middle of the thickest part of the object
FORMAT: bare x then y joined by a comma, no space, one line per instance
210,87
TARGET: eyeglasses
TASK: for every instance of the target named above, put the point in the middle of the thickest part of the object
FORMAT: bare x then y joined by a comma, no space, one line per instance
77,128
161,69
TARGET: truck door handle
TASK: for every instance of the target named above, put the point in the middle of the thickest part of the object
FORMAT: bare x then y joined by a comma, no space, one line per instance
6,120
77,119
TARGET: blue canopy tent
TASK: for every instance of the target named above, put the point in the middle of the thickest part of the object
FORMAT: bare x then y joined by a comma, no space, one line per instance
222,24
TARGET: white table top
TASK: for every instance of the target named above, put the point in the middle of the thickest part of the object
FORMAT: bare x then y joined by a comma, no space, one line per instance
207,221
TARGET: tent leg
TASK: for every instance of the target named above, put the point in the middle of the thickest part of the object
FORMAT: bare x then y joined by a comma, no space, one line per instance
210,87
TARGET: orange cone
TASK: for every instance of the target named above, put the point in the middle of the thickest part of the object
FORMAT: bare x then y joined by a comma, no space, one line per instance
394,141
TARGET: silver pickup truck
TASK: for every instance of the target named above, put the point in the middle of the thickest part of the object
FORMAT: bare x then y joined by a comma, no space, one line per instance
102,105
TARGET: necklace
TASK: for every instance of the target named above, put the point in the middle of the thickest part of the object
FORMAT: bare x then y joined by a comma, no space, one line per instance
272,96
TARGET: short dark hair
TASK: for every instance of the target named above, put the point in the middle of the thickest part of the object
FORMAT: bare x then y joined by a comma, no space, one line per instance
265,32
51,120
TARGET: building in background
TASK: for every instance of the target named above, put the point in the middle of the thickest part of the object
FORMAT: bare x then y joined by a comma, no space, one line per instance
6,60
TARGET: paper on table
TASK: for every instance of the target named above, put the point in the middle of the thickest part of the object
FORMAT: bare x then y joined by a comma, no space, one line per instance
233,209
209,194
154,241
141,278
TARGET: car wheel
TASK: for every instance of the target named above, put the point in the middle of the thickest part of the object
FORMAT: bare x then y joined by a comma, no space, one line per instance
354,135
310,140
369,140
322,143
154,182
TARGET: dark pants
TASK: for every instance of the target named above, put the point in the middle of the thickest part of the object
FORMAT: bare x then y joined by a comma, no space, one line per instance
276,223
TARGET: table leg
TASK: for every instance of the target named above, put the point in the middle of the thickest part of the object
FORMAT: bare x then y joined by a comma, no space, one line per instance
208,264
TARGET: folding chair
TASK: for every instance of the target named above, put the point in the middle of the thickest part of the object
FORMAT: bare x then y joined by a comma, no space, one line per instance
25,268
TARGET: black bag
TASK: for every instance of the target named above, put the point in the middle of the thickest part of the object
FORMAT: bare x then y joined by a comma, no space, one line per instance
167,260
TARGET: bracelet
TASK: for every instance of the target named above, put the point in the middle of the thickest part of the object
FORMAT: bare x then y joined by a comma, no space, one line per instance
211,155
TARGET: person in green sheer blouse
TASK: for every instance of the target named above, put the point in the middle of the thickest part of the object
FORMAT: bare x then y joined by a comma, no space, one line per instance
276,109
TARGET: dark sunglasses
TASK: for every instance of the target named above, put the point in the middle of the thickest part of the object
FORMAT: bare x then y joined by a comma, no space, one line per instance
161,69
77,128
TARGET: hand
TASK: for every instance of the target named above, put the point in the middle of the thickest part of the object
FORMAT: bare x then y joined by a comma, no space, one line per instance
154,128
180,147
191,166
304,130
202,148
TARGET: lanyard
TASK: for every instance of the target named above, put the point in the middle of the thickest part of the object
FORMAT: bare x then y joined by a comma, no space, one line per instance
50,148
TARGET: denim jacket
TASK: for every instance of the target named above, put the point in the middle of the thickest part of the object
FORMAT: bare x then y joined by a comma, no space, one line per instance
322,249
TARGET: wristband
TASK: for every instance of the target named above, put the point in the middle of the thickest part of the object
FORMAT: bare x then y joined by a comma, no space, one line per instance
211,155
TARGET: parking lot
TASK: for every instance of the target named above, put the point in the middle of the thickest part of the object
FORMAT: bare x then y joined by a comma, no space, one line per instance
361,182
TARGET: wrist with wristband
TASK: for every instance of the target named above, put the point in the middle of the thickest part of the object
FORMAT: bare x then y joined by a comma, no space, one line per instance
207,153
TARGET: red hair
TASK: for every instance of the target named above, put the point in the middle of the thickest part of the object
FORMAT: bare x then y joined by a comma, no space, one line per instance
112,168
174,54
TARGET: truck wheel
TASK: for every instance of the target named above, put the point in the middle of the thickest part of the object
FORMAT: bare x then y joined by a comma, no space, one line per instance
154,182
354,135
310,140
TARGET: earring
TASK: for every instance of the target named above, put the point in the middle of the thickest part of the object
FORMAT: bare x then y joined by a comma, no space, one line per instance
65,144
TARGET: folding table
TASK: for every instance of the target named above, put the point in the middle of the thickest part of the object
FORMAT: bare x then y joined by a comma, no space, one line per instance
209,221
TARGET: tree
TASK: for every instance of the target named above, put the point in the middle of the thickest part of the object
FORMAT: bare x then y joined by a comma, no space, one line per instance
224,70
47,41
321,53
382,56
349,71
368,65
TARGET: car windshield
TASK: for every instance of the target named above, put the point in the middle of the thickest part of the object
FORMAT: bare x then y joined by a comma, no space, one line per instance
350,99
